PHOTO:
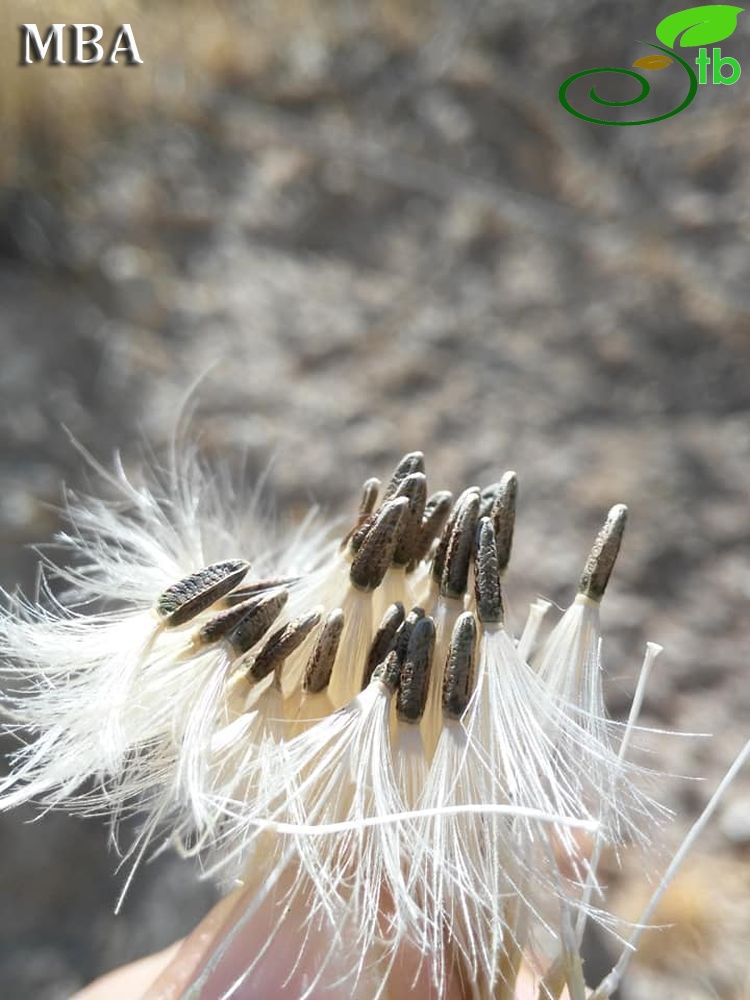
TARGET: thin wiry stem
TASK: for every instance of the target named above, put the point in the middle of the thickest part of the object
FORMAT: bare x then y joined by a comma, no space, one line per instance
613,979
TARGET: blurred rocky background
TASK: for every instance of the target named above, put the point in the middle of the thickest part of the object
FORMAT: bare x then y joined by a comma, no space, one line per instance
368,227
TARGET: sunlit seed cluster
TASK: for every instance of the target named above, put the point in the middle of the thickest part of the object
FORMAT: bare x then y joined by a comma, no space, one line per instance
343,726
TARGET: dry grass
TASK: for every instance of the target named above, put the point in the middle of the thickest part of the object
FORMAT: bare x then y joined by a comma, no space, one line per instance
52,118
697,925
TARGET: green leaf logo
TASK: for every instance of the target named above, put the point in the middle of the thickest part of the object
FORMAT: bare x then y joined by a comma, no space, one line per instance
698,25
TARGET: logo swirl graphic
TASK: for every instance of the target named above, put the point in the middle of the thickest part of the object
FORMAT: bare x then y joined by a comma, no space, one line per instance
645,90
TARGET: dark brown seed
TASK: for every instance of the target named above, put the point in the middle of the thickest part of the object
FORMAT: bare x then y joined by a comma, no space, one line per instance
486,575
280,645
257,621
436,512
388,672
383,641
360,532
370,490
375,554
415,672
225,621
184,600
259,587
369,498
460,548
458,675
503,514
403,635
414,488
323,656
603,555
487,499
412,462
438,562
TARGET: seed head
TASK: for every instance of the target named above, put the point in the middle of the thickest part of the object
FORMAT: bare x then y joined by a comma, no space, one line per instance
409,779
